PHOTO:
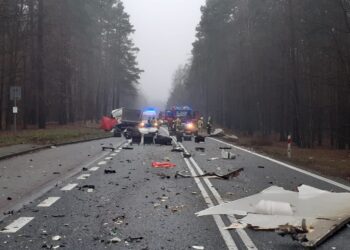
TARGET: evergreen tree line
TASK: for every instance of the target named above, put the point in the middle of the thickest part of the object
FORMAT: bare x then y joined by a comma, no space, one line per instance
74,60
266,67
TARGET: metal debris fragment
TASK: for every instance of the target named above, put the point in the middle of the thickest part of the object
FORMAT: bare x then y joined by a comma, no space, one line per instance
212,174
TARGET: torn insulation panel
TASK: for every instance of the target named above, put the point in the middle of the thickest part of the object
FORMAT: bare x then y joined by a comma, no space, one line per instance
310,215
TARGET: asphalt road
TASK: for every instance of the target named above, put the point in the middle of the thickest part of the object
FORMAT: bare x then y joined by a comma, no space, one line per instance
148,208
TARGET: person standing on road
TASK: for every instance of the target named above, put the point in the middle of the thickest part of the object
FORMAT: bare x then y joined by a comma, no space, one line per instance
178,124
209,125
200,124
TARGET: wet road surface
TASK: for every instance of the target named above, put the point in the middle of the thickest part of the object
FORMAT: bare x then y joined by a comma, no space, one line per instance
141,207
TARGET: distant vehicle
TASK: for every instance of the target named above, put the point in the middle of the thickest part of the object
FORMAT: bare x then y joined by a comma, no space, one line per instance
126,118
149,119
188,118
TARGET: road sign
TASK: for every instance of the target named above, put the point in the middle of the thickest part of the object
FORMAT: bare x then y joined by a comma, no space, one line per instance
15,93
15,110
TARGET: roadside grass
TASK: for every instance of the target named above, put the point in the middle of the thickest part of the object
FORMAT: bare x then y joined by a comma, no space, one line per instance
54,134
324,161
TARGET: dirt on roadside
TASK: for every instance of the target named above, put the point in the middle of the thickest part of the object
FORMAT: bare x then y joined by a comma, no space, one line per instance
53,134
321,160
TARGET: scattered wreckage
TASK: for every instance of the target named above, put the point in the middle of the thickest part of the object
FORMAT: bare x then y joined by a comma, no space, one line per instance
309,216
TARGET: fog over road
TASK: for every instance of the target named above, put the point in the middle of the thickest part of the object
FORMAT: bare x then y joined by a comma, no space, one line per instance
145,207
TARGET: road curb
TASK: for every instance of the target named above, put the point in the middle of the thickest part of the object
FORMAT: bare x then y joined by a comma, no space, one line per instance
49,146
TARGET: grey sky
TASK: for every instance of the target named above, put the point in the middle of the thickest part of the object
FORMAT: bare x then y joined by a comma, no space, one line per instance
165,31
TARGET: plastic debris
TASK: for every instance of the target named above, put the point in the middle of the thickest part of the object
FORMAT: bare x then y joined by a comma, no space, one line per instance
198,247
316,214
227,155
217,133
114,240
56,238
163,164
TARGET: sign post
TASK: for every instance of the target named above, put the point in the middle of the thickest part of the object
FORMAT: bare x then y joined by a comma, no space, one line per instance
289,146
15,94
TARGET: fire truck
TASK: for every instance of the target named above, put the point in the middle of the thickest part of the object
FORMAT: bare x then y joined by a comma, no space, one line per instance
188,118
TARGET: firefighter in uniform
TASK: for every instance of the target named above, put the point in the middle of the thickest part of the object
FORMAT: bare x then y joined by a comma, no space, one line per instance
178,124
209,125
200,124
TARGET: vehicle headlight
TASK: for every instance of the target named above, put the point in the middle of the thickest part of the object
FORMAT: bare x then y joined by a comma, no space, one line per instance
142,124
156,124
189,125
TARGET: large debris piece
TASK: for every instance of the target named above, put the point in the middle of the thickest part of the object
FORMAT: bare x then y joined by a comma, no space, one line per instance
310,215
212,175
217,133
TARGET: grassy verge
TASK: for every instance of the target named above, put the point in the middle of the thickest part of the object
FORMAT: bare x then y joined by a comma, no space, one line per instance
52,135
324,161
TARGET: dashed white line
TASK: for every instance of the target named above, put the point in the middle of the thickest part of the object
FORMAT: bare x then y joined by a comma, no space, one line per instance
113,154
69,187
288,166
48,202
83,177
17,225
102,163
94,169
108,158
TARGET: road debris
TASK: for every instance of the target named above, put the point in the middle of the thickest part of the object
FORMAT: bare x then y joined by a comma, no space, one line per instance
127,148
261,167
177,149
110,148
199,138
200,149
163,176
217,133
309,215
186,155
133,239
225,148
114,240
163,140
163,164
109,171
86,187
211,175
198,247
119,219
213,159
227,155
177,208
56,238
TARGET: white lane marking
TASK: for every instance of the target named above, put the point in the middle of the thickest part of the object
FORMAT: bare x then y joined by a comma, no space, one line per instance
102,163
69,187
244,236
108,158
289,166
17,225
94,168
83,177
218,220
48,202
113,154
